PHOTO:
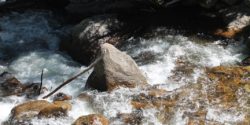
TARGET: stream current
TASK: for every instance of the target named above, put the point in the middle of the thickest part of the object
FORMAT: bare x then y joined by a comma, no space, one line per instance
29,44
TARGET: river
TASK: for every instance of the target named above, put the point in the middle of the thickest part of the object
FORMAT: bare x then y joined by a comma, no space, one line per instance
29,43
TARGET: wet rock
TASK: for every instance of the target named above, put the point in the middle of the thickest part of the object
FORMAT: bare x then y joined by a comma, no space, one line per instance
246,61
247,2
52,111
228,33
134,118
227,81
23,113
57,109
87,7
89,34
28,110
93,119
25,4
9,85
207,3
85,97
230,2
61,97
31,90
143,101
116,69
64,104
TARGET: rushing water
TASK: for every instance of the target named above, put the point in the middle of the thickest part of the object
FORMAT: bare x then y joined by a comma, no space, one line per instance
29,43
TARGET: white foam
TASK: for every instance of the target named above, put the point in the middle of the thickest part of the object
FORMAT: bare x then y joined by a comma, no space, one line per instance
172,48
6,104
80,108
57,69
110,104
224,116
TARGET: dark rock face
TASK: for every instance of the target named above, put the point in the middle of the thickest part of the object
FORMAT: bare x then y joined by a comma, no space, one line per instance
89,34
18,4
9,85
116,69
246,61
93,7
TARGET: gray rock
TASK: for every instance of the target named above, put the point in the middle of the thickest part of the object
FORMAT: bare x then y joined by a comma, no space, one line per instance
94,7
116,69
207,3
230,2
89,34
247,2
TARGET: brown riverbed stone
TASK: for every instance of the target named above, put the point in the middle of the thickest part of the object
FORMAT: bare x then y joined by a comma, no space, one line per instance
93,119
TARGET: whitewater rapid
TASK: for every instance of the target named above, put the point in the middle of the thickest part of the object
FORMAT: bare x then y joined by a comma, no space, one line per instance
29,44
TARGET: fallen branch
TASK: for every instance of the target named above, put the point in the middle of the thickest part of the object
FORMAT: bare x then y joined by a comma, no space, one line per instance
171,2
41,84
74,77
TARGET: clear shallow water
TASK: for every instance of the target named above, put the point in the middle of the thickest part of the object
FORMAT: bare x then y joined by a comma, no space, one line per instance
31,41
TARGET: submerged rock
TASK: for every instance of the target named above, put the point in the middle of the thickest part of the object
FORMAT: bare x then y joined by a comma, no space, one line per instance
89,34
228,81
134,118
116,69
93,119
61,97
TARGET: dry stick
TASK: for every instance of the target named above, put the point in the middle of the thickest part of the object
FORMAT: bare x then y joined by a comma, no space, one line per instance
41,84
74,77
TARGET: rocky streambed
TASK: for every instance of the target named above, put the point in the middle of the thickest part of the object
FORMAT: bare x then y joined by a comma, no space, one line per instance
152,71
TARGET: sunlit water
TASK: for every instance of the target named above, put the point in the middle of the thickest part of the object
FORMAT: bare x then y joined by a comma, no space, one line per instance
29,43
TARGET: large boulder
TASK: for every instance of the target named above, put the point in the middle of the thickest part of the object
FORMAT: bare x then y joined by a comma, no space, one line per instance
115,69
93,119
89,34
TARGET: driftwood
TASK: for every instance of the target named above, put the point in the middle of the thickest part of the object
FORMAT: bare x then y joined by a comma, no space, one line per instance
74,77
41,84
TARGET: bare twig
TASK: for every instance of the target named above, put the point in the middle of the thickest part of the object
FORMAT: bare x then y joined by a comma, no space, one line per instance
41,84
74,77
171,2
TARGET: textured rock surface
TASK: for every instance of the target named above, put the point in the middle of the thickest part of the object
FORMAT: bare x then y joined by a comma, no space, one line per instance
23,113
94,119
89,34
9,85
28,109
115,69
